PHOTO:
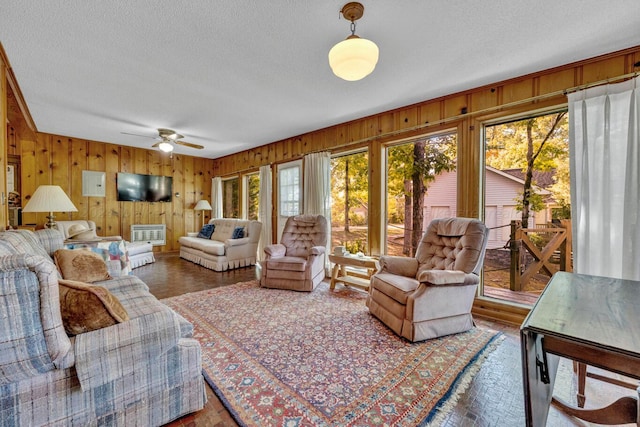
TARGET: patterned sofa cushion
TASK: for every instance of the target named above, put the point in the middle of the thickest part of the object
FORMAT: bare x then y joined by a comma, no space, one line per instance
24,242
22,343
57,341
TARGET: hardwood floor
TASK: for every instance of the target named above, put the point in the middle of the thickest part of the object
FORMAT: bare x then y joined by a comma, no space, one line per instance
493,398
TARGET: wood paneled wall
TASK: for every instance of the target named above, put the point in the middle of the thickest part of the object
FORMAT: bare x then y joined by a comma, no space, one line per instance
58,160
465,112
4,136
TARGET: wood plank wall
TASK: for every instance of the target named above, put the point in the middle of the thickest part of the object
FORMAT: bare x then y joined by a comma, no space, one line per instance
4,136
59,160
465,112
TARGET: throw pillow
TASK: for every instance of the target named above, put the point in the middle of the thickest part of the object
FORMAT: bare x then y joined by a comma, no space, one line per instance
206,231
238,233
81,265
86,307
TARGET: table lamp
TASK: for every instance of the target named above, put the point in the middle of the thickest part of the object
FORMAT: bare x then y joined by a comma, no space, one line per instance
202,205
50,198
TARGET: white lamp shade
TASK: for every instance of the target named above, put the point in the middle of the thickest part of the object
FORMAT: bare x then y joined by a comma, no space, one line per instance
166,147
354,58
49,198
202,205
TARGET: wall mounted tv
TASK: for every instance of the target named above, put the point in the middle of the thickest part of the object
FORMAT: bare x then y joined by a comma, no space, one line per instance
133,187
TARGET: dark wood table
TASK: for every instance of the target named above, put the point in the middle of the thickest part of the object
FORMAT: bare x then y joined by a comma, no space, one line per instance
591,320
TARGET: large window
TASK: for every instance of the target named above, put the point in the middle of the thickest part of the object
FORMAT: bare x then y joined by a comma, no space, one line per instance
251,195
421,186
289,190
527,197
350,201
230,205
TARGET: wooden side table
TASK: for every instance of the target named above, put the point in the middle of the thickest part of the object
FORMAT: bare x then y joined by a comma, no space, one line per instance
588,319
349,277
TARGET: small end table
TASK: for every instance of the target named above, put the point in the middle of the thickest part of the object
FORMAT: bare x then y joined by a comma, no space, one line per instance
349,277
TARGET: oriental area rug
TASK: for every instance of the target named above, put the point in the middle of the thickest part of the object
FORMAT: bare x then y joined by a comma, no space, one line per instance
285,358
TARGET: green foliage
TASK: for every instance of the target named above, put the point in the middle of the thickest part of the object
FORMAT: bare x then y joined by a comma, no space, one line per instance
507,143
230,205
357,219
253,198
536,202
533,143
440,155
356,246
349,175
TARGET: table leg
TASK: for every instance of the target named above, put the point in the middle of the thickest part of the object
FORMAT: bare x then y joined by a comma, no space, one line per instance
334,276
582,379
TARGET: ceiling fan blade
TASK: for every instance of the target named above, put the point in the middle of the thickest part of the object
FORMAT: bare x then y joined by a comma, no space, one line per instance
188,144
156,144
137,134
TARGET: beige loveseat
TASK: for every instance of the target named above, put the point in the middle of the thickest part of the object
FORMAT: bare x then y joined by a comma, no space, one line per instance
221,252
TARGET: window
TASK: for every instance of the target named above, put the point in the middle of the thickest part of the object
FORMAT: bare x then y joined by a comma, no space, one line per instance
421,186
350,201
251,195
230,208
524,156
289,191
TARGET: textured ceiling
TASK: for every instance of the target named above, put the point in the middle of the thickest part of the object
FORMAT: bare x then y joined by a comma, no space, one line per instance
231,75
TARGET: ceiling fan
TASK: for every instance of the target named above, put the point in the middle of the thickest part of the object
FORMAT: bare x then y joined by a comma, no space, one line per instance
167,138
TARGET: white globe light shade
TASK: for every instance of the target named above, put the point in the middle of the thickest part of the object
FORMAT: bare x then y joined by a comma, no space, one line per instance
354,58
166,147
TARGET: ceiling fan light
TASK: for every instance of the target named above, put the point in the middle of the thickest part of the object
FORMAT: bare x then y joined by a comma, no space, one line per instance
166,147
354,58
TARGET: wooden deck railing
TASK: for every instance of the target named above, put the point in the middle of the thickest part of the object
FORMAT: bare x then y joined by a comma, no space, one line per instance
558,241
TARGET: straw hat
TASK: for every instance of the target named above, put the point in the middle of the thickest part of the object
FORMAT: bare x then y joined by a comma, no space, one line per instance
80,232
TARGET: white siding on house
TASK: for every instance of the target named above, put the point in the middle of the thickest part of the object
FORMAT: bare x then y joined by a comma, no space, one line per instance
501,193
440,201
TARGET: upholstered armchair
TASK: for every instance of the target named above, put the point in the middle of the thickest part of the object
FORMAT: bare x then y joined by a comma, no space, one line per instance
431,295
297,262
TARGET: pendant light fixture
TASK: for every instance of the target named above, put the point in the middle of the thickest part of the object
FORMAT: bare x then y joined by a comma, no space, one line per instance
354,58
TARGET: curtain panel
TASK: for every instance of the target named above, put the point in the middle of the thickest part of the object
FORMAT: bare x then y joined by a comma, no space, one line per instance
317,191
604,145
265,208
216,197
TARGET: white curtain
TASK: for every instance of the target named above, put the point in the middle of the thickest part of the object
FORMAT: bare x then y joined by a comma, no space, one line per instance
265,208
317,190
216,197
605,179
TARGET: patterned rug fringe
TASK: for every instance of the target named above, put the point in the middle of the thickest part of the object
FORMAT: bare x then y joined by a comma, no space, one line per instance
441,411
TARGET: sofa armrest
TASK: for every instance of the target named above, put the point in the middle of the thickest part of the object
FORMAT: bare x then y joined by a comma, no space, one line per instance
275,251
441,277
236,242
111,238
402,266
109,353
317,250
447,278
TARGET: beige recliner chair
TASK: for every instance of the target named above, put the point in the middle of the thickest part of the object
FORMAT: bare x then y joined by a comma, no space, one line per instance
431,295
297,263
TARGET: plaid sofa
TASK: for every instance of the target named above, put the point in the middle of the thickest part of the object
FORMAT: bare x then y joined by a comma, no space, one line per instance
146,371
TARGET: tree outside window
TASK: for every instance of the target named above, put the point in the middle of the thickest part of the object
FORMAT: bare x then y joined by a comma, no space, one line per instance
411,167
350,201
230,205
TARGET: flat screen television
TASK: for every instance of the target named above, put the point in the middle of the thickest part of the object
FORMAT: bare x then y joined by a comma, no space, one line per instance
134,187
